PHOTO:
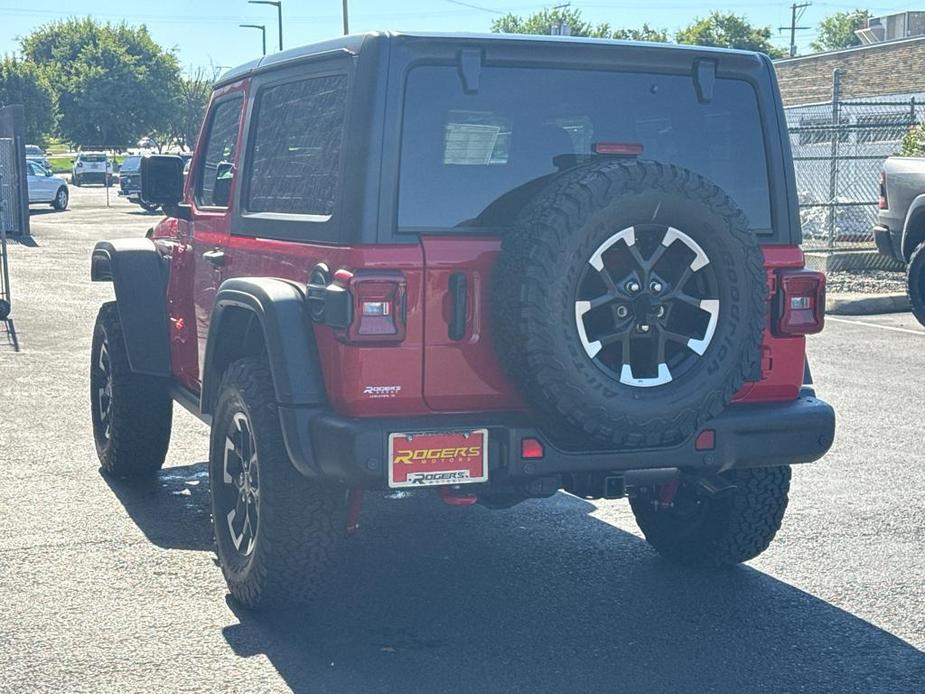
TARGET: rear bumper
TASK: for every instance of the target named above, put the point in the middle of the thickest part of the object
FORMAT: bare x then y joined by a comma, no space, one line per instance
354,451
884,241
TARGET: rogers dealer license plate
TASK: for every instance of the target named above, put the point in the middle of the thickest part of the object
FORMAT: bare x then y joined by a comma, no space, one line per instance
430,459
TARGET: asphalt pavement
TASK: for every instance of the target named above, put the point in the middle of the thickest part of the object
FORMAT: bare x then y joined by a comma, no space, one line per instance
105,587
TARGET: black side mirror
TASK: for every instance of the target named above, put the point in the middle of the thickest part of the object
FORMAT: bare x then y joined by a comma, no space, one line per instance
162,180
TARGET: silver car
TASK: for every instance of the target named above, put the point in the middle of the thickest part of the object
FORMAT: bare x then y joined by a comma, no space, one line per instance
45,187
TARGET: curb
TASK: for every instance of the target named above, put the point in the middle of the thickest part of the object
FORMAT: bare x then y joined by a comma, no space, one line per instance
866,304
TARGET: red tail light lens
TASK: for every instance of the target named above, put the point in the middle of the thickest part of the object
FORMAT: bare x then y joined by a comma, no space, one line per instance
378,306
531,449
883,203
801,303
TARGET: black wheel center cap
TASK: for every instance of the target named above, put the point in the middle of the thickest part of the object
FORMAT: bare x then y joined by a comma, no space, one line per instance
645,307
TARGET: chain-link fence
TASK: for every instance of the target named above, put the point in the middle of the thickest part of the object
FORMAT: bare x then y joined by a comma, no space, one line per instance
838,152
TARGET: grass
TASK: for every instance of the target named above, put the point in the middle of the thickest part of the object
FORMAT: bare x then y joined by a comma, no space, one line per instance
63,164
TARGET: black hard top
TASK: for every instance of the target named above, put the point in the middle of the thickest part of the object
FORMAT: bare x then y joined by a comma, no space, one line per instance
354,43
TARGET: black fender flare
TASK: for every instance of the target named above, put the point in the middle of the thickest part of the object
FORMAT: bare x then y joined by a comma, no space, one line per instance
279,307
139,277
913,227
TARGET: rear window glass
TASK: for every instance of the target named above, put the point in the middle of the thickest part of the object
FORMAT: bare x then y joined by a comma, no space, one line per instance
297,143
131,164
93,158
473,159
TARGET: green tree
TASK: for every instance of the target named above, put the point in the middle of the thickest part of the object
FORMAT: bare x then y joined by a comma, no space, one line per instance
114,83
837,30
913,143
728,30
190,101
21,82
567,20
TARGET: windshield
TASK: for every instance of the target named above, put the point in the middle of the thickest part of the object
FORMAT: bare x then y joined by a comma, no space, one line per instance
466,157
33,150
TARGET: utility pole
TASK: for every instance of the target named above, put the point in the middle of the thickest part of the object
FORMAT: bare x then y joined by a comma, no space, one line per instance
263,33
279,14
346,21
796,14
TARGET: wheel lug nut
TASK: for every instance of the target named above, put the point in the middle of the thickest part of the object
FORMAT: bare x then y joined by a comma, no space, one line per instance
632,286
655,286
643,328
660,312
622,312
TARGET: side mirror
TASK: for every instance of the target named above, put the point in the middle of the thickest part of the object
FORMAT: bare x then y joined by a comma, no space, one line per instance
162,180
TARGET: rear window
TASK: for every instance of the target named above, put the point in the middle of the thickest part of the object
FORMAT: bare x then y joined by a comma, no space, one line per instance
472,159
93,158
131,164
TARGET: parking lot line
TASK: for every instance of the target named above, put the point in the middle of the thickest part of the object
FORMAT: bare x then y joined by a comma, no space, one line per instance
867,324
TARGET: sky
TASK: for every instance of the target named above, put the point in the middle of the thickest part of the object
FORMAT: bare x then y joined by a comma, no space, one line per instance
205,33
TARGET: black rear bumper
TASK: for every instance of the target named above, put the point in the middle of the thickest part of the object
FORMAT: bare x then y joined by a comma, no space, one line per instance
884,241
354,451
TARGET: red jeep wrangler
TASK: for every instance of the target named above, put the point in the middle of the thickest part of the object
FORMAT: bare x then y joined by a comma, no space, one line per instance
497,266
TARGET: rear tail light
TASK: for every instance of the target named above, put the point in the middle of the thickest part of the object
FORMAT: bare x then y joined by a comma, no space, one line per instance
883,203
371,307
801,303
531,449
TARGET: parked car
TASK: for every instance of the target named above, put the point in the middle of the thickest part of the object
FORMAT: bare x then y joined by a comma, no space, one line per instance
45,187
447,262
900,229
130,182
37,154
92,167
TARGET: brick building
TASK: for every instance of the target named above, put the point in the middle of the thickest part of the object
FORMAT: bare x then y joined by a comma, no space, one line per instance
892,68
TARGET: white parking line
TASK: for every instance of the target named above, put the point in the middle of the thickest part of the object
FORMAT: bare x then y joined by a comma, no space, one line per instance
866,324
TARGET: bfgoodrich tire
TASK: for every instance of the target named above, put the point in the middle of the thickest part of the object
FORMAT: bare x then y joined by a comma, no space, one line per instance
915,278
131,413
699,530
279,536
630,302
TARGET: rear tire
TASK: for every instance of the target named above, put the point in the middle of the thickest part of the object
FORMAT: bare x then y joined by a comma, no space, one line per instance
698,530
915,282
148,207
279,535
61,199
131,413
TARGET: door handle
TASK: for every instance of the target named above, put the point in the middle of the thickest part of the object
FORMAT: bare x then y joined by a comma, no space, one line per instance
215,257
459,296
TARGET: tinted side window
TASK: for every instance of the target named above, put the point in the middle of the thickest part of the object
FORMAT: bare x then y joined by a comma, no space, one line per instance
297,144
216,170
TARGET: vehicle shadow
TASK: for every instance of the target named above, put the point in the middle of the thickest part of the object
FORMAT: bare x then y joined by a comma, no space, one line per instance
542,597
171,509
41,211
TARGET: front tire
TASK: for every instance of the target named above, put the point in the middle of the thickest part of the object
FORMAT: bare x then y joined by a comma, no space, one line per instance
717,531
148,207
131,413
76,180
278,534
915,282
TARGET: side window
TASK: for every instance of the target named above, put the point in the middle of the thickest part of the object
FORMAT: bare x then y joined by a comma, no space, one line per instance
296,146
216,171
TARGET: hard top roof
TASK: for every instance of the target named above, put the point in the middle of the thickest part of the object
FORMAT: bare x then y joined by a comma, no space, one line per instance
353,43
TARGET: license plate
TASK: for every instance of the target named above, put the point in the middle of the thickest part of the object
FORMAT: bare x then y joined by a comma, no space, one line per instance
430,458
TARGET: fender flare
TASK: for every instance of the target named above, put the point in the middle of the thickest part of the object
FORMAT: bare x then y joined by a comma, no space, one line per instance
915,217
139,277
279,307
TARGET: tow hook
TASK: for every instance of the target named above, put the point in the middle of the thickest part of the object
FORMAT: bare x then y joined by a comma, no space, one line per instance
450,497
666,493
354,505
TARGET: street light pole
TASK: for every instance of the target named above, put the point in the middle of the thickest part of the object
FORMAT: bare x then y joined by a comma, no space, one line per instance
346,21
279,14
263,33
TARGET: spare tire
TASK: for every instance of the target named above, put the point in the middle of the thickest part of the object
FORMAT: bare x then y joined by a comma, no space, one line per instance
629,303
